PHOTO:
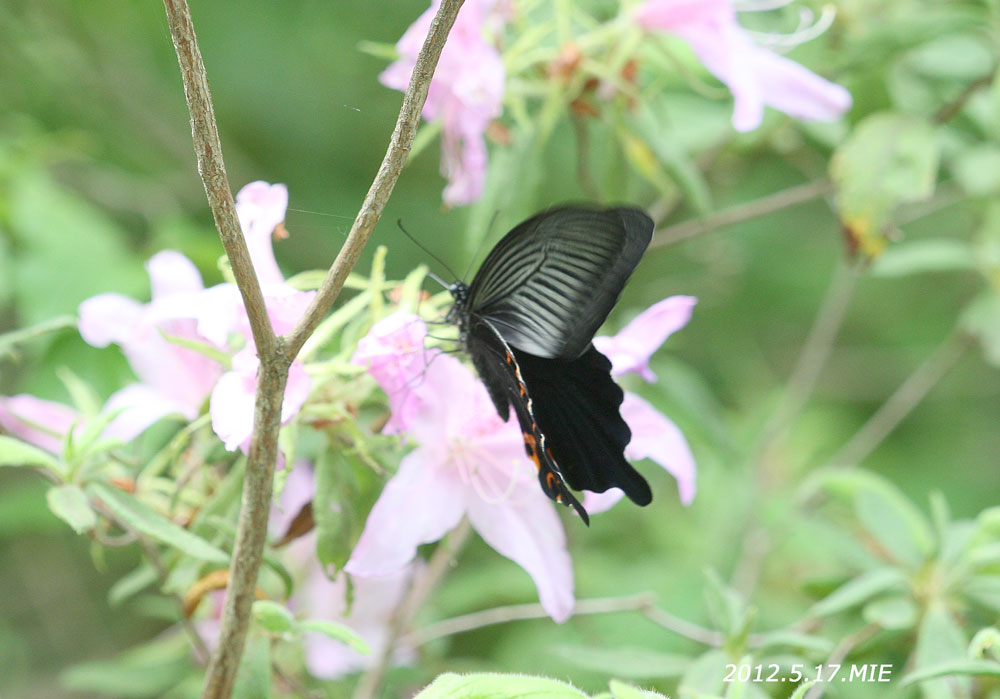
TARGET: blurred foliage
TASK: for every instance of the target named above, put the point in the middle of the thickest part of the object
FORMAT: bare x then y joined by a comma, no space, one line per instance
889,556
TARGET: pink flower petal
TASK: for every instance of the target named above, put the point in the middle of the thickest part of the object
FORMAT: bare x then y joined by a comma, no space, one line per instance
418,505
530,534
172,273
261,207
754,75
141,407
595,503
632,347
42,423
108,318
656,437
375,601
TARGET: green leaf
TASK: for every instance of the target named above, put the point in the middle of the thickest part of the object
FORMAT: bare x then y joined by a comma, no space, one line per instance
725,605
10,340
621,690
921,256
253,679
14,452
497,686
987,639
332,510
858,590
981,319
793,639
891,613
144,519
886,513
149,670
626,662
737,689
940,639
678,165
964,666
800,691
984,589
705,674
978,169
887,160
131,584
273,617
337,632
70,504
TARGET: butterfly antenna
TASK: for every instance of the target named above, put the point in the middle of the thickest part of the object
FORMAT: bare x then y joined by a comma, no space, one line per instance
439,280
399,222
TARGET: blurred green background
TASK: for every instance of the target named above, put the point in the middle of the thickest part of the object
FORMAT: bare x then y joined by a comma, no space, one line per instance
97,173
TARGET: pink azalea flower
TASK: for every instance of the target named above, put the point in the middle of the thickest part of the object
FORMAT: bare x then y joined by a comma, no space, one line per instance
260,207
43,423
465,95
654,436
176,379
173,379
468,463
634,344
755,76
393,351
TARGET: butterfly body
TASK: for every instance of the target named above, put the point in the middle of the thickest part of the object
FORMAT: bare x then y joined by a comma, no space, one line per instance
527,321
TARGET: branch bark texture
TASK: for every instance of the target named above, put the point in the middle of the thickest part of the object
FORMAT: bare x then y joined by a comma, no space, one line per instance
275,353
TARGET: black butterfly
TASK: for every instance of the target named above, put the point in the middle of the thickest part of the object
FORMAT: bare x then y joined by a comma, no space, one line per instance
527,321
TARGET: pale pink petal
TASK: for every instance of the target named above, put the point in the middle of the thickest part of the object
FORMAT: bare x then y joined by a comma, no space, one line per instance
219,312
656,437
42,423
141,406
394,353
755,76
108,318
296,391
375,602
632,347
170,272
797,91
261,207
595,503
231,407
530,534
297,491
418,505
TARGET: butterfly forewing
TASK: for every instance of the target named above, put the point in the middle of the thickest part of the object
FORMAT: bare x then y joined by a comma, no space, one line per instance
549,284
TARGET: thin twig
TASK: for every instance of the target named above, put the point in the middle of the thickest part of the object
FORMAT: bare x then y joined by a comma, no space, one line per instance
906,398
949,110
274,356
742,212
814,353
840,653
272,374
644,603
208,150
200,649
385,179
420,589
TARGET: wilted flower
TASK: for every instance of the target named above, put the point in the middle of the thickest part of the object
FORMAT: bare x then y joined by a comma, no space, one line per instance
755,76
465,94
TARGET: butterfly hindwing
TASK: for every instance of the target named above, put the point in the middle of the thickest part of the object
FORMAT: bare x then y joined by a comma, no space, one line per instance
497,365
550,283
576,404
